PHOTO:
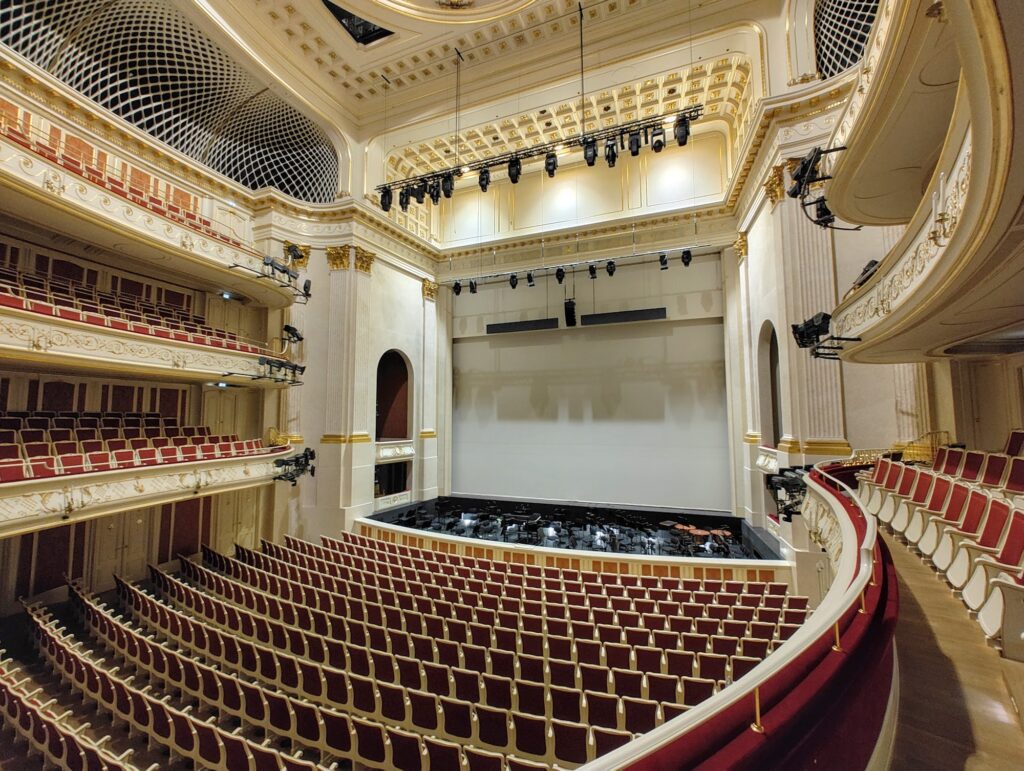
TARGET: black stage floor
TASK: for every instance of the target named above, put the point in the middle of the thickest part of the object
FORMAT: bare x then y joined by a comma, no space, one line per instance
616,530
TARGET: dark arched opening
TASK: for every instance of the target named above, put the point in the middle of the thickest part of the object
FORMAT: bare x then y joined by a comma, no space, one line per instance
393,418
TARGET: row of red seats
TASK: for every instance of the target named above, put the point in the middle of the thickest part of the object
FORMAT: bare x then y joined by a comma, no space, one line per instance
83,419
73,162
44,730
386,704
121,319
186,735
969,529
33,443
45,466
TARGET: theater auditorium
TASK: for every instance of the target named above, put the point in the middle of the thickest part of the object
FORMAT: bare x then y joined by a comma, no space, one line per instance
506,385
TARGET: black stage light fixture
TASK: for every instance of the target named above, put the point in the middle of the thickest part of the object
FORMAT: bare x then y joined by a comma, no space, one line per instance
808,334
634,143
403,199
513,281
457,288
515,169
485,179
447,185
658,139
268,261
592,269
294,253
419,191
681,130
805,173
292,334
590,150
386,196
472,286
686,257
434,191
611,152
610,267
822,214
570,313
663,261
307,288
551,164
529,279
868,272
560,275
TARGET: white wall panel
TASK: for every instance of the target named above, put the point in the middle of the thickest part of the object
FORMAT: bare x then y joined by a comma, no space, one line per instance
631,414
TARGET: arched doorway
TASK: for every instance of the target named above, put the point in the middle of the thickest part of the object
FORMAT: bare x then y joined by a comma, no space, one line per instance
769,386
394,418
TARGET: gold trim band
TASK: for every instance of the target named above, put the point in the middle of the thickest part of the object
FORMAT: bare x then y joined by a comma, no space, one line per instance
751,438
333,439
431,434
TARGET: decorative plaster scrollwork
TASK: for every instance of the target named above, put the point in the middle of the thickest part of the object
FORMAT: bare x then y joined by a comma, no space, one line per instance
388,452
54,183
900,274
822,526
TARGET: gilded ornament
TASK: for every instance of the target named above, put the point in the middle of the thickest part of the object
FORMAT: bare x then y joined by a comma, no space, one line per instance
364,260
740,245
775,185
337,257
429,289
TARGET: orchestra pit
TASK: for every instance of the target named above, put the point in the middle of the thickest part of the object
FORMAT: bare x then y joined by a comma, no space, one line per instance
507,385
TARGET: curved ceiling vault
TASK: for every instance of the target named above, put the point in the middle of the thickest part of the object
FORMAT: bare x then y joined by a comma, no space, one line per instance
146,62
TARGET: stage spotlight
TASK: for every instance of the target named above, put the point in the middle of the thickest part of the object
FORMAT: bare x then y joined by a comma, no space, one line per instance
386,196
634,143
294,253
560,275
403,199
822,214
513,281
485,179
611,152
592,270
551,164
419,191
610,267
472,286
457,288
515,170
658,139
307,287
447,185
687,257
811,331
805,173
663,261
434,191
570,313
681,131
292,334
529,279
590,150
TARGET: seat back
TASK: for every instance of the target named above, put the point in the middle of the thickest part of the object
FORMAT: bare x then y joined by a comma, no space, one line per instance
1012,549
973,461
995,522
1015,442
954,459
1015,477
994,470
907,480
977,505
955,502
922,487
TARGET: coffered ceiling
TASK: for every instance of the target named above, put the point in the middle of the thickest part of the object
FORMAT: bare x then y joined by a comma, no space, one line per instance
303,45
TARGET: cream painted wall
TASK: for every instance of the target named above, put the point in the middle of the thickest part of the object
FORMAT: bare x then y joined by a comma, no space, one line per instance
628,413
651,182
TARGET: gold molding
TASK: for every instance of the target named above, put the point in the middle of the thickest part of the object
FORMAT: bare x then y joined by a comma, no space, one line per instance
429,289
775,185
364,259
295,438
788,444
333,439
751,437
337,257
303,248
740,245
359,438
431,434
827,447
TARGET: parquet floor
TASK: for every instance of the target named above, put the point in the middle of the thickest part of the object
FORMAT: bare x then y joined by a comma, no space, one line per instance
955,709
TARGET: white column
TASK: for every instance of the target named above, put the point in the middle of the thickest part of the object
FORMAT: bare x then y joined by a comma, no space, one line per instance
913,408
427,444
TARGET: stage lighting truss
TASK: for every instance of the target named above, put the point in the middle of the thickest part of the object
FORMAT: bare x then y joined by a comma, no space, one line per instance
650,131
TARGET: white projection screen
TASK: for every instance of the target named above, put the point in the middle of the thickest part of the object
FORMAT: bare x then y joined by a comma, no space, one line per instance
624,414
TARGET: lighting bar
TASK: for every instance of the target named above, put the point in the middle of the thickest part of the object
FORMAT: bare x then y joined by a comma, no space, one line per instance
647,127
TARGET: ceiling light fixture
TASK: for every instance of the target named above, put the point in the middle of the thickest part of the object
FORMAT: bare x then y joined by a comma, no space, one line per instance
472,286
658,139
515,169
551,163
385,199
457,288
611,152
592,269
634,143
681,131
560,275
590,150
610,267
686,257
663,261
529,279
513,281
485,179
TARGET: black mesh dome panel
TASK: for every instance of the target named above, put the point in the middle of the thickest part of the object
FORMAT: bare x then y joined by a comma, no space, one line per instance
841,29
146,62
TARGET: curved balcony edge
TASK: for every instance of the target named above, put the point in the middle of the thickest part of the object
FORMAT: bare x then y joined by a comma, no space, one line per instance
35,504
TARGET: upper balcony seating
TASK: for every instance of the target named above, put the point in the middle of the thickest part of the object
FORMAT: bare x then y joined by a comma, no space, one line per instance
965,516
98,169
75,301
35,445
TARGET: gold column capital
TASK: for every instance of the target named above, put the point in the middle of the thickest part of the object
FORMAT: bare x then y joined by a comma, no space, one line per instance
429,289
775,184
337,257
364,259
740,245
